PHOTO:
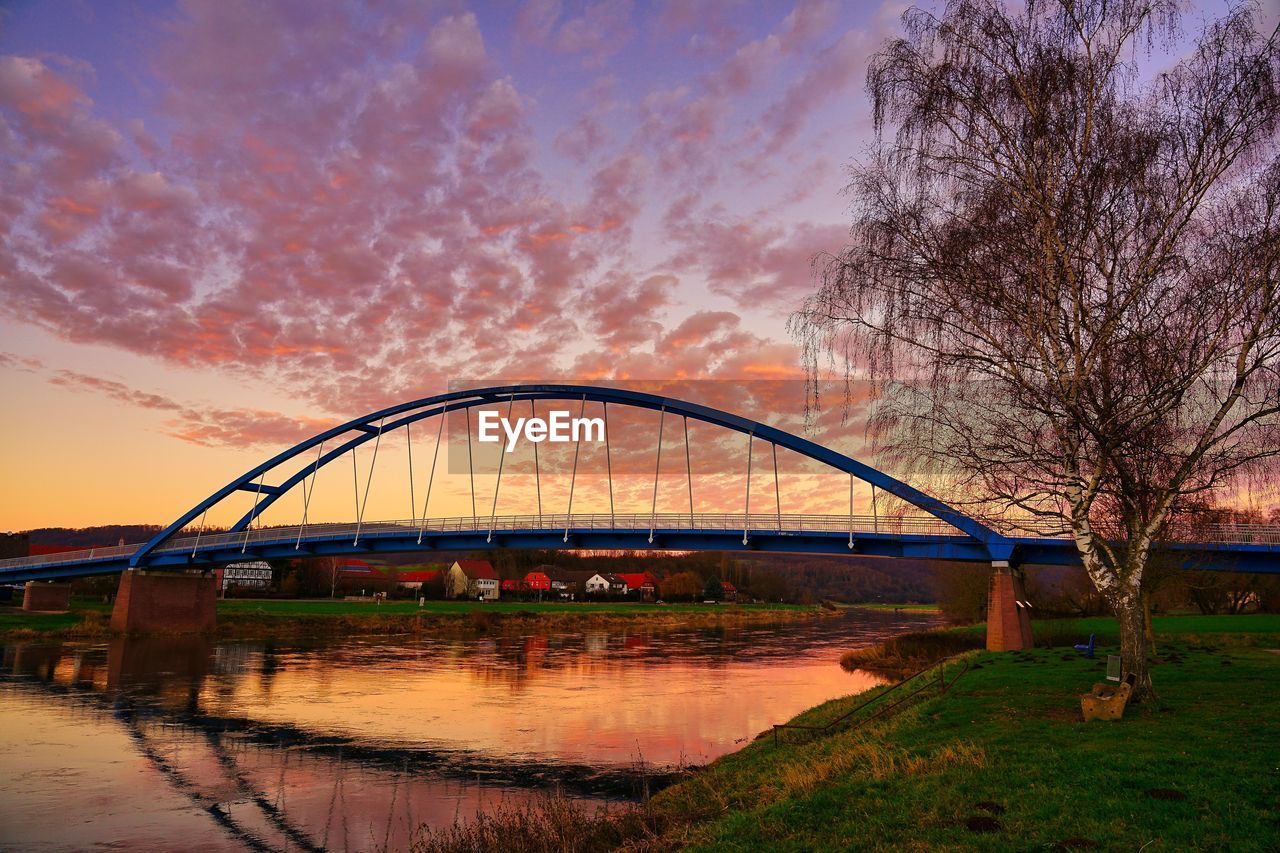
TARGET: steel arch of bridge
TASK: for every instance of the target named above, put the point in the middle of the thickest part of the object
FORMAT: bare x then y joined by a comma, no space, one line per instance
995,545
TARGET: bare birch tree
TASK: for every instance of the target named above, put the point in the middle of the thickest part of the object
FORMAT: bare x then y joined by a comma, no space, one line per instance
1062,275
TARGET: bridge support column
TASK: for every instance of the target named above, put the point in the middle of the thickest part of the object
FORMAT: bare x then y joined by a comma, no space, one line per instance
1008,614
46,597
163,603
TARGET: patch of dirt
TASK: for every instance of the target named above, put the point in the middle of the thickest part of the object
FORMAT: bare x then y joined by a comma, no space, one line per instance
989,807
1068,715
1165,794
982,823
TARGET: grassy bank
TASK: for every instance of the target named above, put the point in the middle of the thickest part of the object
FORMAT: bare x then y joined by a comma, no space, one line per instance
294,618
1004,761
895,608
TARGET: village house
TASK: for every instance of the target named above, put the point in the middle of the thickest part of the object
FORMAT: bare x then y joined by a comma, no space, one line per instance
565,584
473,579
730,591
415,579
606,584
537,581
642,585
358,570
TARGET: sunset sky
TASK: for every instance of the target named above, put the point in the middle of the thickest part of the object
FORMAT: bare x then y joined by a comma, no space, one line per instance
228,224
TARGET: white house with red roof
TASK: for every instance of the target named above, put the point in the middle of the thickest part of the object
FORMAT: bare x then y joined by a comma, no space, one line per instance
473,579
415,578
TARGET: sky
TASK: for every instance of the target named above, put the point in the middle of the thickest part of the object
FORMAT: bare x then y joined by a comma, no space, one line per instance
229,224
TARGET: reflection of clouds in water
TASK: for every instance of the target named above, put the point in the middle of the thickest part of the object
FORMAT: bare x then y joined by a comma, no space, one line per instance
333,734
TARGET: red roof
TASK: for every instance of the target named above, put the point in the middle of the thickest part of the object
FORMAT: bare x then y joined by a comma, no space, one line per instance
478,570
420,576
728,587
357,567
537,580
508,585
636,580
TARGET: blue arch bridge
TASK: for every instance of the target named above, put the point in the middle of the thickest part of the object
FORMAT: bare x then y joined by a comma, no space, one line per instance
934,530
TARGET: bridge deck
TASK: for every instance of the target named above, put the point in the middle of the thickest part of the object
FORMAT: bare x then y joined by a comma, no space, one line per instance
1256,545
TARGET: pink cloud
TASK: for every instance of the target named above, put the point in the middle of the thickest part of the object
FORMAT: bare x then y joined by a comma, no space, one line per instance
42,96
207,426
356,207
749,259
603,28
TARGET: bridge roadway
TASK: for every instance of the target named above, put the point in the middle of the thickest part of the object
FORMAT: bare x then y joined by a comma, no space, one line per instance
1252,548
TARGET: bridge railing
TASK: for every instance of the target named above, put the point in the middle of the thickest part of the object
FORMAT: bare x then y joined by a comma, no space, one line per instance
756,522
60,557
1254,534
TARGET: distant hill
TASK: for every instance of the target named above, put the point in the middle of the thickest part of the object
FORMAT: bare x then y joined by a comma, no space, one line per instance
93,537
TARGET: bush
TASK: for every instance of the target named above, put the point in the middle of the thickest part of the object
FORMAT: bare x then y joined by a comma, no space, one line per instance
911,652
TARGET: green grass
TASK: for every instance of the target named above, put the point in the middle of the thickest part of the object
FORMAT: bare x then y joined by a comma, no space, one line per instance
292,617
1249,629
913,608
84,616
1009,733
20,620
293,607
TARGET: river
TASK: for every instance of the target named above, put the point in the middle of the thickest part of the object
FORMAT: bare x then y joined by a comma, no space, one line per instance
171,744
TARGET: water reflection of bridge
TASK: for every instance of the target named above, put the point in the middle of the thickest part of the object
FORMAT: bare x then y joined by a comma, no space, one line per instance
271,786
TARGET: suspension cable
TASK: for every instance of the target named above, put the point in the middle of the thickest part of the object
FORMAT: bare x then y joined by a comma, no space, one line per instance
254,514
199,530
413,502
875,515
777,490
746,508
306,495
608,461
851,511
355,480
537,472
498,485
657,465
688,468
368,485
435,457
573,478
471,468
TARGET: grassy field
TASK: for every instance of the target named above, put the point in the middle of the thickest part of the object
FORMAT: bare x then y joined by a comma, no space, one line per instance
326,607
1004,761
894,608
293,617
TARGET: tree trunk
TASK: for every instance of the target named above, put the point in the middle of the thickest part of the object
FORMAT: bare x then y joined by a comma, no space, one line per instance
1133,645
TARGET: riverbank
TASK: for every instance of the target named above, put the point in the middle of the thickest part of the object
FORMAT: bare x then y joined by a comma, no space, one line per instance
893,608
1003,761
286,618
